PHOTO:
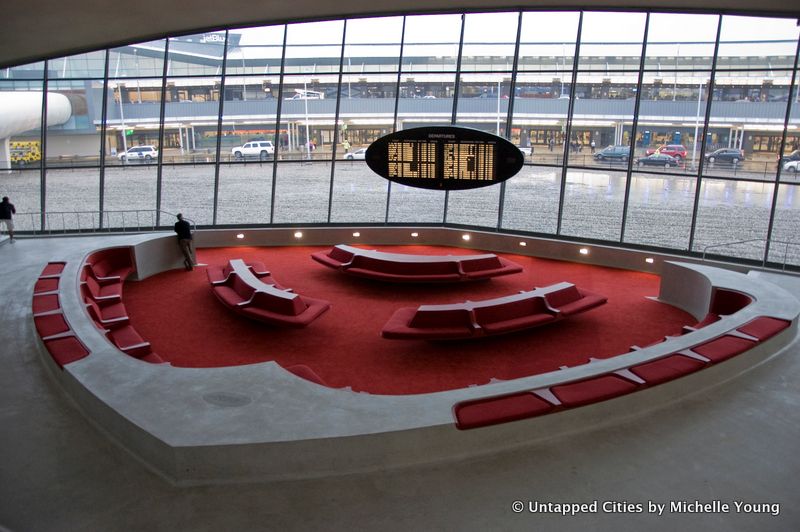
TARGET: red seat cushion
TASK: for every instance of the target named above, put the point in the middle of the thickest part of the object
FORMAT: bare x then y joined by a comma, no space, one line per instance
559,298
726,302
45,285
667,368
592,390
723,348
483,263
45,303
66,350
50,324
494,410
764,327
53,268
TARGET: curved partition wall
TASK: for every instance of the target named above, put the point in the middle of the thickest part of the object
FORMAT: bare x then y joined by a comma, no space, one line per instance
263,422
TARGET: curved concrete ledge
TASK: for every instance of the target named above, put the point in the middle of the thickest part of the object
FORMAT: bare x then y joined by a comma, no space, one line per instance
257,422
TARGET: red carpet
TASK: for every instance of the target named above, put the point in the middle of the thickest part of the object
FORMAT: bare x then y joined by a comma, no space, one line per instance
177,313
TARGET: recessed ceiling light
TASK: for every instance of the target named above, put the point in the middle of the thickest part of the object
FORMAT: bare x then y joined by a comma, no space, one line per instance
356,234
240,236
298,234
523,244
465,237
583,251
649,260
415,235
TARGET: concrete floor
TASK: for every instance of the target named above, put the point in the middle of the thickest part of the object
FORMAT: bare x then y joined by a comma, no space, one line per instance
734,443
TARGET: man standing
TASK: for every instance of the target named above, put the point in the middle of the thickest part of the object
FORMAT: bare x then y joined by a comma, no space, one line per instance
6,210
184,232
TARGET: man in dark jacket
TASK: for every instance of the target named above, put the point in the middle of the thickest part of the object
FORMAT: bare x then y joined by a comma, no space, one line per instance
6,211
184,232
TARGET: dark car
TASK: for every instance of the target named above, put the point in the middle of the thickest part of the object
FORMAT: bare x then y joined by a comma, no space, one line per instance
725,155
659,159
614,153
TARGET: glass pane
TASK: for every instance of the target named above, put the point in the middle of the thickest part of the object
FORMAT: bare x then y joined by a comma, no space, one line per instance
547,42
483,102
474,207
133,111
431,43
314,47
24,132
307,115
23,186
129,189
691,48
373,45
74,111
425,100
255,51
81,66
188,190
593,203
730,212
194,55
660,211
301,192
190,119
531,200
245,194
408,205
249,114
137,60
611,41
612,97
540,115
744,128
359,195
671,117
30,71
791,152
72,199
784,246
757,43
489,42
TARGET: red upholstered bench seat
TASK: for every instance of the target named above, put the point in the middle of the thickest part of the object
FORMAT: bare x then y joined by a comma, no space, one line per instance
66,350
398,267
723,348
106,290
47,284
513,316
494,410
592,390
45,303
53,269
238,288
667,368
572,300
764,327
111,263
50,325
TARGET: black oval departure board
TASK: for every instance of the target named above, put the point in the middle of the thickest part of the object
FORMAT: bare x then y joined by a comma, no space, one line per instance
444,158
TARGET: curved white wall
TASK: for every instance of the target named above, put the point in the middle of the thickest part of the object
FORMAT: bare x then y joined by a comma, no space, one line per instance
22,111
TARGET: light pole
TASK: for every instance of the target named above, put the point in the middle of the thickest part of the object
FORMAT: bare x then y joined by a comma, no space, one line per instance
696,124
498,108
308,136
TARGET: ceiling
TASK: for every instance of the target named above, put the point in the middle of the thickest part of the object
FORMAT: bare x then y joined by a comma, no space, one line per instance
38,29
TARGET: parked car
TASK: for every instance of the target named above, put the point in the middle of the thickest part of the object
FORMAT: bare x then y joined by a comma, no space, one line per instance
263,149
358,154
526,152
791,166
725,155
139,153
675,150
614,153
794,156
659,159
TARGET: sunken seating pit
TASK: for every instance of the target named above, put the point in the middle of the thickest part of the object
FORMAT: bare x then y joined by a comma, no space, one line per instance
248,295
507,314
398,267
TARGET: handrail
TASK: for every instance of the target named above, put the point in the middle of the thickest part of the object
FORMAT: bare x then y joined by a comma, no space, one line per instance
765,240
92,221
